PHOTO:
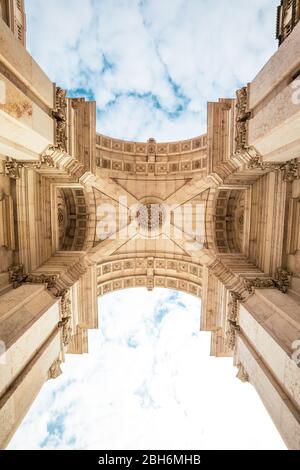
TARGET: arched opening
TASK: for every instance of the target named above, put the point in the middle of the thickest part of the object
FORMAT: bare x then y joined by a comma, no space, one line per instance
229,221
147,382
72,215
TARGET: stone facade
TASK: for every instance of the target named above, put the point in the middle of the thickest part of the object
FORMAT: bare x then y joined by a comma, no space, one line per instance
240,179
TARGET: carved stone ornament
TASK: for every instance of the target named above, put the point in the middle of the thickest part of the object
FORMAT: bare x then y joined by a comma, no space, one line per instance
17,277
55,370
233,306
259,283
65,325
242,374
289,170
60,117
13,167
230,337
66,317
47,159
242,116
281,281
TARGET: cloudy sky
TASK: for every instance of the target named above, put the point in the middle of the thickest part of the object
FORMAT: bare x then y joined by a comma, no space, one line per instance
152,65
148,381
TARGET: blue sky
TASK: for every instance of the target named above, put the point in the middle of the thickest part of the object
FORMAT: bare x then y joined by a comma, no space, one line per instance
152,65
148,381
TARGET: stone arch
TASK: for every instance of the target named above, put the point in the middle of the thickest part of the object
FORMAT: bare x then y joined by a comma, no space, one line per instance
76,219
149,272
229,220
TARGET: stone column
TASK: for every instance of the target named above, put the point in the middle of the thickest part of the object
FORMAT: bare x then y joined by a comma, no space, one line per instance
30,342
268,352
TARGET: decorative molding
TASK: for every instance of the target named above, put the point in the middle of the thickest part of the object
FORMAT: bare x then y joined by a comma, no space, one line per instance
288,15
65,325
59,115
242,117
230,335
232,320
151,147
47,157
281,281
55,370
13,167
289,169
233,306
66,317
17,277
242,374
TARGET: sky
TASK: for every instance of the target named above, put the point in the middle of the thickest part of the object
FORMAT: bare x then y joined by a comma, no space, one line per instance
148,380
151,65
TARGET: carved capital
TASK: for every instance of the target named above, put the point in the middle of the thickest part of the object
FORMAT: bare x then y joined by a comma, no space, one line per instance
259,283
242,374
17,277
281,281
12,168
55,370
42,279
290,171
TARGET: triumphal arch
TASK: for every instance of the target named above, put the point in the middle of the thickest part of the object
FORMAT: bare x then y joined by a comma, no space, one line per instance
83,214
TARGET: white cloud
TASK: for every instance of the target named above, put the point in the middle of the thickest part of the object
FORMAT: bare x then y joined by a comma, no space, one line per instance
148,382
152,65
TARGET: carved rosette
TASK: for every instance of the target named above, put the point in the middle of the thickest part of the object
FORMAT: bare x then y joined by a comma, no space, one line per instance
242,374
61,120
55,370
